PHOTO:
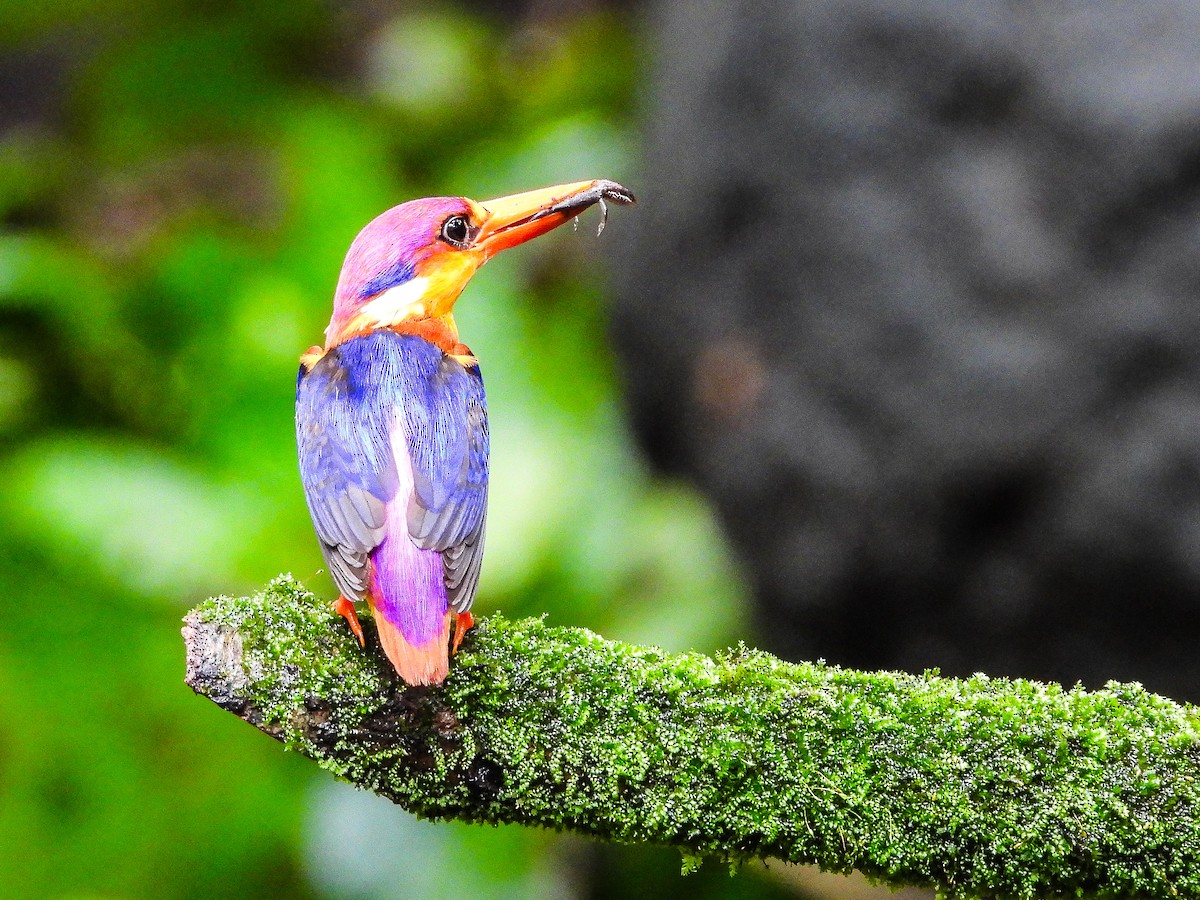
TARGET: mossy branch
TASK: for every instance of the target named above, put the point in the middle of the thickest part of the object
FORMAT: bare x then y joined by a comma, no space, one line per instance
981,788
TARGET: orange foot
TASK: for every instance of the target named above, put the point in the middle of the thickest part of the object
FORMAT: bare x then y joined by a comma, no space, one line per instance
463,622
345,609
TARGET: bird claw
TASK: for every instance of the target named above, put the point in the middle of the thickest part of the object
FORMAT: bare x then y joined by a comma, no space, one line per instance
463,622
345,609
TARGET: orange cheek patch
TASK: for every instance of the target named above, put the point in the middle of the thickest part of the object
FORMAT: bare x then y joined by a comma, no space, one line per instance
448,272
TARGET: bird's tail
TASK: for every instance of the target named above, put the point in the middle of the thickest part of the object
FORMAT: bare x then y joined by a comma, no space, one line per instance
424,663
407,593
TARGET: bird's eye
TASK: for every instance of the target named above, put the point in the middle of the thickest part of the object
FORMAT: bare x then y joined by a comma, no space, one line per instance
456,230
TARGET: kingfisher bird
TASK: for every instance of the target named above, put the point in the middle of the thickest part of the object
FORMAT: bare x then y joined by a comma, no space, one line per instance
391,422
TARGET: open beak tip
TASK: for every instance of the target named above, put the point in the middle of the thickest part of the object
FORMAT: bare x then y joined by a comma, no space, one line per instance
519,217
595,192
617,193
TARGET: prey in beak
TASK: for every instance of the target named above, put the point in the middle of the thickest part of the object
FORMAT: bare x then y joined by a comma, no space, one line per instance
521,217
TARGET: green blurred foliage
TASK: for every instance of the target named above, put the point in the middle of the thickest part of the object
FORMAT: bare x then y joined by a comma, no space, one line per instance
175,208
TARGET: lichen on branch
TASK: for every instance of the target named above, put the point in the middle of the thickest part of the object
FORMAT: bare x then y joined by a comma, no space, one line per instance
982,787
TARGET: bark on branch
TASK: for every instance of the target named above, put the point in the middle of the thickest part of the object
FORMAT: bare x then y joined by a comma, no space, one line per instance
981,788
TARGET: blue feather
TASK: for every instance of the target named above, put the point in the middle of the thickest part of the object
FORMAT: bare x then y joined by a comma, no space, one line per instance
399,272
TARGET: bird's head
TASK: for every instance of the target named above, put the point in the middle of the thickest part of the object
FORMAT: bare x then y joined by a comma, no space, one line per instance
412,262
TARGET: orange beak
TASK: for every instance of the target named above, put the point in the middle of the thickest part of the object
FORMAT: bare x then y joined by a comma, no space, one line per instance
518,218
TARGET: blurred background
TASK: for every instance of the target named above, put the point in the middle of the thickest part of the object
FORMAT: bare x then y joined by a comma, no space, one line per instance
895,364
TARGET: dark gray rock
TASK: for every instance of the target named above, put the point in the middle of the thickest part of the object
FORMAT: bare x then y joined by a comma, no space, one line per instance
914,295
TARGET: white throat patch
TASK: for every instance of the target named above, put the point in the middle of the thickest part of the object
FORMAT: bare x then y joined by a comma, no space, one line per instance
404,301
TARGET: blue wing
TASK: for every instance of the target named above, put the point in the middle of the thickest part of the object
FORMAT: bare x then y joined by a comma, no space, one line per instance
448,443
347,406
346,465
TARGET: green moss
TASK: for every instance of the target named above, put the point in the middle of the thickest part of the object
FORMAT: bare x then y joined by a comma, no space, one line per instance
980,787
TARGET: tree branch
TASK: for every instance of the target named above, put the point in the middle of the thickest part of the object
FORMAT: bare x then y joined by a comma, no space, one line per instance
981,788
